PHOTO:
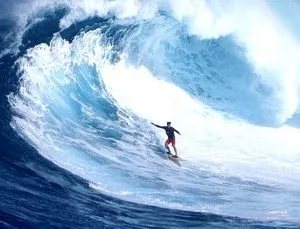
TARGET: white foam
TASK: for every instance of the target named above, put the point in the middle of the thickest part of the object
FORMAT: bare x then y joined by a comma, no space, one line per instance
207,135
271,49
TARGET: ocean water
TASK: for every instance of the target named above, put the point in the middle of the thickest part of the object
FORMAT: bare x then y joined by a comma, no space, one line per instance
81,82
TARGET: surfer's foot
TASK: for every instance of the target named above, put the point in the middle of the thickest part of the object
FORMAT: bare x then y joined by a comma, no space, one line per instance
175,156
169,153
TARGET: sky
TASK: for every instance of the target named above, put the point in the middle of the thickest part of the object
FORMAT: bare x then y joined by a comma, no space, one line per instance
288,12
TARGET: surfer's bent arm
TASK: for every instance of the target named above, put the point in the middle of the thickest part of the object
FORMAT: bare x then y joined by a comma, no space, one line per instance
162,127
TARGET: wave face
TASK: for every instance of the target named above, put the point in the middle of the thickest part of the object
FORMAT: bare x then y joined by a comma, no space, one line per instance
93,75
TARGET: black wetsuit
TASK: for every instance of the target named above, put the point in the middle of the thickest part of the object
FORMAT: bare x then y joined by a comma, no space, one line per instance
169,131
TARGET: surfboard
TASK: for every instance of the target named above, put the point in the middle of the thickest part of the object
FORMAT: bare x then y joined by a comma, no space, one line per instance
174,160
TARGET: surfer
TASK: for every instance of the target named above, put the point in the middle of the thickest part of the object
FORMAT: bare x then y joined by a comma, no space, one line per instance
171,137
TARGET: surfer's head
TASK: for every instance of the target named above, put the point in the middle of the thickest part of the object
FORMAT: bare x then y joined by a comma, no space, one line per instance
168,124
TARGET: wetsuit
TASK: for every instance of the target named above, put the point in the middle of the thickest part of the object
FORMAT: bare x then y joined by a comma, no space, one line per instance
170,133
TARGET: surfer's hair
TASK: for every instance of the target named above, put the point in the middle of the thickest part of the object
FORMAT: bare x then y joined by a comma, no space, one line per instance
168,123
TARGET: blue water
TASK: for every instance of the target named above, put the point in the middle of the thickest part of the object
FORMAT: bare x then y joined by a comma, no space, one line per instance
80,84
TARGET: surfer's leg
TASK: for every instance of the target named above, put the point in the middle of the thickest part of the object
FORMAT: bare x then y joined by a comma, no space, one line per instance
175,150
174,147
167,147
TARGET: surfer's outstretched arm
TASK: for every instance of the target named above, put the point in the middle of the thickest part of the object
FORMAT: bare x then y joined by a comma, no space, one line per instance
177,131
162,127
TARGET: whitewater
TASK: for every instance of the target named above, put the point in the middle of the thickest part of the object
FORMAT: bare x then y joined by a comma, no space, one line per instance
226,73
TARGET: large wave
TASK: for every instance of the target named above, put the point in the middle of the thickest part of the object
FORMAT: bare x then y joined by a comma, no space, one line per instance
87,97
